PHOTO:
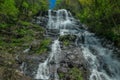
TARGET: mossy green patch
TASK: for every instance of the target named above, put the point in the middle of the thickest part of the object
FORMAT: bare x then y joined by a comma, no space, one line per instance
67,39
75,74
21,35
61,75
43,46
25,23
66,42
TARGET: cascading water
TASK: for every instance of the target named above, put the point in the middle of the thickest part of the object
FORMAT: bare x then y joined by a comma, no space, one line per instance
102,65
43,71
61,22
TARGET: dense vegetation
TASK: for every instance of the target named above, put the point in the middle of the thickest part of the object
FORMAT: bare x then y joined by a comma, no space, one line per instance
16,17
101,16
12,11
17,33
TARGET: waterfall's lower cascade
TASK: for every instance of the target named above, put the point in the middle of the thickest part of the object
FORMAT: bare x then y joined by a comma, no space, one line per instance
43,71
101,64
100,60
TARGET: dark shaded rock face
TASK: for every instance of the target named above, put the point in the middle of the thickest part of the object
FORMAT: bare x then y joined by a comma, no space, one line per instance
42,21
9,69
72,59
30,64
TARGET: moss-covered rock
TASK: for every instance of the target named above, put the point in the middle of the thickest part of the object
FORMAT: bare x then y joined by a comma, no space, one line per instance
43,46
9,68
75,74
7,73
67,39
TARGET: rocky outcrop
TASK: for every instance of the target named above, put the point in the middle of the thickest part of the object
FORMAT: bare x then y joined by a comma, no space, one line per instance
73,59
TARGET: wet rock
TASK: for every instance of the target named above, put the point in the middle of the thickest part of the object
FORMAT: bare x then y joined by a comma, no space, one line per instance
70,65
52,62
68,37
63,70
53,32
73,59
42,21
2,61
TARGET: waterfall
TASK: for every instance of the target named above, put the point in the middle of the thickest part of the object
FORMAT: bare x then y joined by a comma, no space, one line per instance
43,71
60,20
102,65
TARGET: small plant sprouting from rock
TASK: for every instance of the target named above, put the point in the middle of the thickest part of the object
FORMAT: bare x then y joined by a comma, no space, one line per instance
75,74
67,39
44,46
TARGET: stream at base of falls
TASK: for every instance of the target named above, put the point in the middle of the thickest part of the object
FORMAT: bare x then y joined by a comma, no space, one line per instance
101,62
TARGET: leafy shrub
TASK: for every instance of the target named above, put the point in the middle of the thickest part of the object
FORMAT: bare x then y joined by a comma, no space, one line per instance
44,46
75,74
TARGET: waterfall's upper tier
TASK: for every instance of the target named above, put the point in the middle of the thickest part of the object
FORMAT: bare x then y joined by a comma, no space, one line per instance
61,14
60,19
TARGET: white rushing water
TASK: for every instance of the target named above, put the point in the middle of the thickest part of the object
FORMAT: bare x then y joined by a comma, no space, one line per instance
62,21
102,65
43,71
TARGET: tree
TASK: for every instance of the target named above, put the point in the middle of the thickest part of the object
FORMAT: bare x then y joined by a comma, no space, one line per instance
8,8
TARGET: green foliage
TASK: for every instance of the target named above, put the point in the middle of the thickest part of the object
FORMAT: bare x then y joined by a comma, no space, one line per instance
58,2
75,74
39,5
102,17
66,42
8,11
67,39
12,11
25,23
8,8
44,46
25,5
3,25
17,33
61,75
